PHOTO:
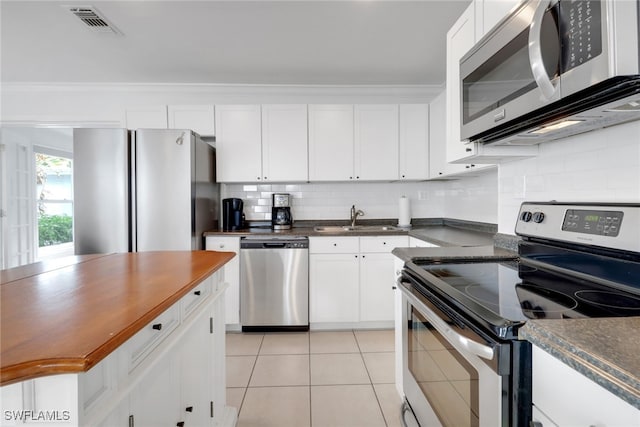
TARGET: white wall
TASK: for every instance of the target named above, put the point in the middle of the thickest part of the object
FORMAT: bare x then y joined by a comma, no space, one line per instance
601,165
471,199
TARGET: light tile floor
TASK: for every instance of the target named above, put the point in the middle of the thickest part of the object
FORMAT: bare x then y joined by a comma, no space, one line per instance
316,379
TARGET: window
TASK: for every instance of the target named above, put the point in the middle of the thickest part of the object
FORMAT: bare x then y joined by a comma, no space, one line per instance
54,202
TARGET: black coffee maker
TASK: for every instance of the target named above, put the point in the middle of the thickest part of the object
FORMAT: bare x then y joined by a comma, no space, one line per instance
232,215
281,211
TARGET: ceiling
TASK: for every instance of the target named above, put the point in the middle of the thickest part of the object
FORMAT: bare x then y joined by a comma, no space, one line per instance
304,42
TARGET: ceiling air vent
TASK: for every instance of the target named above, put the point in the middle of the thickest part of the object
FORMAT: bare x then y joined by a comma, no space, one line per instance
90,16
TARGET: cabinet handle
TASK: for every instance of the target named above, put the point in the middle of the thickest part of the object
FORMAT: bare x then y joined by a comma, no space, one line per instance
394,287
189,409
384,243
157,326
180,424
265,178
335,244
350,177
131,422
258,178
467,166
473,166
468,150
403,176
357,177
197,293
439,173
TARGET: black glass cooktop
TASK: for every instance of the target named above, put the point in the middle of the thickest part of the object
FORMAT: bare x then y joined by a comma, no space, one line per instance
506,294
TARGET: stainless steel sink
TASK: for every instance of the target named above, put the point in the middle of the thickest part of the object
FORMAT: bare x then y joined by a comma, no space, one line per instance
348,228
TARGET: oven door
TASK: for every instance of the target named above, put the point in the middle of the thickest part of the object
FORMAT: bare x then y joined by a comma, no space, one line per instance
513,70
447,377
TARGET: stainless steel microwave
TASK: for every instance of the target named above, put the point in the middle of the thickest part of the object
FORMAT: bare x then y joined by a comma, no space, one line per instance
551,69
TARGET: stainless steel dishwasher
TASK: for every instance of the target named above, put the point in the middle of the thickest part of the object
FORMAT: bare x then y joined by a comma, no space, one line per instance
274,283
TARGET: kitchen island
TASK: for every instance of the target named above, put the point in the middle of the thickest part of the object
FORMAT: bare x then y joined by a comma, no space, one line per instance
108,324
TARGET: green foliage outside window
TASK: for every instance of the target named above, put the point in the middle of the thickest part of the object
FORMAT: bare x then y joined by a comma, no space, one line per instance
54,229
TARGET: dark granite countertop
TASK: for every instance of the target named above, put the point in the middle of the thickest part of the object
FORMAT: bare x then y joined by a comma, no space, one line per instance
439,231
451,252
590,347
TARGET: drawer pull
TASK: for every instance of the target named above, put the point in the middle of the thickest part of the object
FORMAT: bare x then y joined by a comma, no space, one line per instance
157,326
197,293
189,409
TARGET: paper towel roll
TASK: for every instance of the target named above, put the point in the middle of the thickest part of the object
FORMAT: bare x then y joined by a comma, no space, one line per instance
404,212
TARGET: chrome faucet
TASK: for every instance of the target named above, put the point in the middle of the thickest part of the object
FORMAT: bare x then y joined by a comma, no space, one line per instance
354,215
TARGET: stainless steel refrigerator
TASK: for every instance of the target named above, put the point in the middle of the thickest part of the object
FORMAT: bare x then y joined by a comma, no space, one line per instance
148,190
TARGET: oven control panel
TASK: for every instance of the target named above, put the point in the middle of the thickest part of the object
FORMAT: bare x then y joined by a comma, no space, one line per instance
614,226
603,223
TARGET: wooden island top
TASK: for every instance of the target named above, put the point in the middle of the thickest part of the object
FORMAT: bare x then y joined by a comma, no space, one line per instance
67,316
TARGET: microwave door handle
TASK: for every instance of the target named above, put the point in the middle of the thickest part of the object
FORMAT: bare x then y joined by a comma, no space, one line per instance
535,51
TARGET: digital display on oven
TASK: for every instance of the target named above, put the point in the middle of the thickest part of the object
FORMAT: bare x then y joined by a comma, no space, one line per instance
601,223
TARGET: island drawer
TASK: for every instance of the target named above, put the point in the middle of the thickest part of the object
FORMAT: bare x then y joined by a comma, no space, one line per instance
196,296
148,338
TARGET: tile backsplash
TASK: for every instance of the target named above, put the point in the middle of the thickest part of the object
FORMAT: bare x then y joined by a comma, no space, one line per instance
602,165
470,198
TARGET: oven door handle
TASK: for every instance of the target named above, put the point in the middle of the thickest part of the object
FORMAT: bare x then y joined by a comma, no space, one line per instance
471,346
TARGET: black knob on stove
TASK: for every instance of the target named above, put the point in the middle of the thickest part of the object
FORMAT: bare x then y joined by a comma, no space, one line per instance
538,217
526,216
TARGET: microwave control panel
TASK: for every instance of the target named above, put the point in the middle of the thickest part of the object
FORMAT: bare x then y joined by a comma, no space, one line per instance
581,30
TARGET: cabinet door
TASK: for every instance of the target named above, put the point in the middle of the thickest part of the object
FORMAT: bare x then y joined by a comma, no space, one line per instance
155,399
460,38
231,274
438,166
195,367
376,142
198,118
569,398
146,117
331,143
490,12
333,288
238,143
284,143
377,278
414,141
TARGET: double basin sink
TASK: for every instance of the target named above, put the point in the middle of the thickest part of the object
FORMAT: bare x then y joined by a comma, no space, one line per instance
347,228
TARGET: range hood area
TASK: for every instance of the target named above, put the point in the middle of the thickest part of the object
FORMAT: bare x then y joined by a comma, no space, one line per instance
606,104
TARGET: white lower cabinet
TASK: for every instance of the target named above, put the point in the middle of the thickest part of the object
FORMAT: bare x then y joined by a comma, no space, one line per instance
231,274
351,279
178,379
564,397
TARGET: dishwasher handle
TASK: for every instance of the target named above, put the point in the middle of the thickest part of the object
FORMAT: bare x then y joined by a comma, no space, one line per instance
274,245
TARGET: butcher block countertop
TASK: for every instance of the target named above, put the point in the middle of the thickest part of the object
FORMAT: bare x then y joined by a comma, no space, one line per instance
66,316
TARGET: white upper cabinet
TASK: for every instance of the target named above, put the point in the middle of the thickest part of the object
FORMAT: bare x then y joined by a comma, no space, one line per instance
348,143
438,165
284,142
146,117
460,39
414,142
376,142
238,143
331,142
198,118
490,12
